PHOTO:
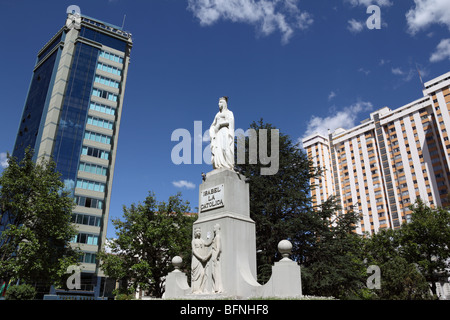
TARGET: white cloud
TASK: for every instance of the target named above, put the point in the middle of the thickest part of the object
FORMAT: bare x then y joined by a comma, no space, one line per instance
331,95
442,51
409,74
355,26
3,160
267,16
183,184
365,71
366,3
345,119
397,71
427,12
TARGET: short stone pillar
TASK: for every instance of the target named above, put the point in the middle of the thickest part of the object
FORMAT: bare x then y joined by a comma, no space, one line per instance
176,281
286,276
224,236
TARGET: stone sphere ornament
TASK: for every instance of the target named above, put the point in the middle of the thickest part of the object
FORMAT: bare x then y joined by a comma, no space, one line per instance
177,261
285,247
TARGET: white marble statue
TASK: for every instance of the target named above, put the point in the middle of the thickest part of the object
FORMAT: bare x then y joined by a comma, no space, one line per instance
221,133
216,249
204,258
199,263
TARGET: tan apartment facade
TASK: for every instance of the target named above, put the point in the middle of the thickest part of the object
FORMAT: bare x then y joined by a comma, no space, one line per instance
380,167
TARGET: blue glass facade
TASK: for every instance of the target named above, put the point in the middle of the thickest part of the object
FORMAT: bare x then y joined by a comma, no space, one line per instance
103,39
50,47
69,138
76,87
35,106
70,134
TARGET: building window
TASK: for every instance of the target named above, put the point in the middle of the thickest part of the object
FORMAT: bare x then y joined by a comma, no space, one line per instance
92,168
104,94
100,123
108,68
86,219
110,56
102,108
85,238
94,152
89,202
107,82
97,137
90,185
88,257
434,160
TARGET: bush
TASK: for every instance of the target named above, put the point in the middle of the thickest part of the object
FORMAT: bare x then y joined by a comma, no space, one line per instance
124,296
21,292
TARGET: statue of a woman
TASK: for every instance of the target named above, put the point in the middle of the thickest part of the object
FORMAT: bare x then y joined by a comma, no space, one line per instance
199,261
216,260
221,133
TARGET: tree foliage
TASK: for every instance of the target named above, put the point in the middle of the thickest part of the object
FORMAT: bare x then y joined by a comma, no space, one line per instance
425,241
335,260
399,278
36,226
334,264
281,206
280,203
148,237
21,292
414,257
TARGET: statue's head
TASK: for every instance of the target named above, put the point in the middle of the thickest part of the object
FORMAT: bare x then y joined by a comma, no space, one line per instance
223,103
197,233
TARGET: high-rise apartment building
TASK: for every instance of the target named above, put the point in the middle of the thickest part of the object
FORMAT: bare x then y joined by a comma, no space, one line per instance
72,113
381,166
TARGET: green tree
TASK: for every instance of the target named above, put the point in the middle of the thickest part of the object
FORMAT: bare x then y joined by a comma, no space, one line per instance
425,241
35,215
382,246
334,265
150,235
400,279
281,206
21,292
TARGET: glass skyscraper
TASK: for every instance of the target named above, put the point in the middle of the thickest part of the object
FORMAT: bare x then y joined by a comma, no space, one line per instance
72,113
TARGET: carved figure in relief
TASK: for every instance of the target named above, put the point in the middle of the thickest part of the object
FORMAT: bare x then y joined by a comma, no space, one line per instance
199,263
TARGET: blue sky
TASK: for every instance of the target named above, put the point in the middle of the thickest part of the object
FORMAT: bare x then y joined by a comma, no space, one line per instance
303,66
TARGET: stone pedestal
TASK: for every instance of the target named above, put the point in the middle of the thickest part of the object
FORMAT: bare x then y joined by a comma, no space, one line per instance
176,281
286,276
224,201
224,248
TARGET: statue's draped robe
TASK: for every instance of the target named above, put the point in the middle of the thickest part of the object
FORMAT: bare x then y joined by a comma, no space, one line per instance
222,140
197,266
